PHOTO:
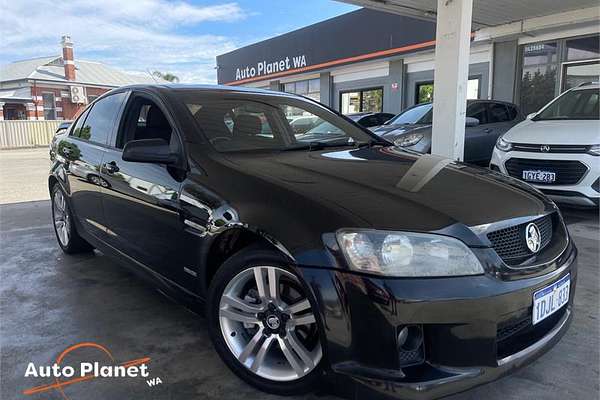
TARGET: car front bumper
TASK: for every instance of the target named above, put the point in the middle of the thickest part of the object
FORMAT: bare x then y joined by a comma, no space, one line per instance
584,193
461,317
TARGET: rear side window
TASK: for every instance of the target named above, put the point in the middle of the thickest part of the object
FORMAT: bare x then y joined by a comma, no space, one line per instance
477,110
498,113
79,124
512,112
100,120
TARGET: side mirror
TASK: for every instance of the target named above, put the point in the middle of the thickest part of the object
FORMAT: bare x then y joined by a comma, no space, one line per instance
156,151
470,121
530,116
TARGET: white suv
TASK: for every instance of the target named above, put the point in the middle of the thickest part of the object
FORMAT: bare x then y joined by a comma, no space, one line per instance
557,149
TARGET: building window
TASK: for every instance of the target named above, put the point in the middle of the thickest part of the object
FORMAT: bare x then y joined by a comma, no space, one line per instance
583,48
364,100
309,88
538,77
49,106
424,90
583,61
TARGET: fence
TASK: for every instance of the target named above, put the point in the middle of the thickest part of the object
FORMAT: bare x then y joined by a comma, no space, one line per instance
19,134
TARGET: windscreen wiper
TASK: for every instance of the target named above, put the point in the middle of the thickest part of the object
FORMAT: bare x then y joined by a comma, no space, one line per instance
310,146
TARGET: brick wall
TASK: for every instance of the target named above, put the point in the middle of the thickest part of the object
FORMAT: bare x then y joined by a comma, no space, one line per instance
62,97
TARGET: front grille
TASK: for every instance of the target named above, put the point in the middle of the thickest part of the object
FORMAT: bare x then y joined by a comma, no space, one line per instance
550,148
506,331
519,335
568,172
509,243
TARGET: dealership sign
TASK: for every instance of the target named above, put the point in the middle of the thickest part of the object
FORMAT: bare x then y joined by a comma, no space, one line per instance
268,68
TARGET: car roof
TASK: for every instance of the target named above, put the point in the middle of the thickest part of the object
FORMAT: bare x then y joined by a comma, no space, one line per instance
205,88
587,85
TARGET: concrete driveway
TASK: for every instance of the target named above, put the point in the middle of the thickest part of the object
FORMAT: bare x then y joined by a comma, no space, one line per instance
49,301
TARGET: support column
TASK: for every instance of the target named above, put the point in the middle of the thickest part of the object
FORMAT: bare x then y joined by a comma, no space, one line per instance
452,50
1,111
325,89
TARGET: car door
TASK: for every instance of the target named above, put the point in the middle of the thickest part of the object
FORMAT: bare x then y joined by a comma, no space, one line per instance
141,201
501,118
476,136
83,151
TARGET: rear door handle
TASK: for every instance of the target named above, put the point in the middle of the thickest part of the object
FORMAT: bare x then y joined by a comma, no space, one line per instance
111,167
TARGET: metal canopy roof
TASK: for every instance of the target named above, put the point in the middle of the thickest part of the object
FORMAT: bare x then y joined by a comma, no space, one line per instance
486,13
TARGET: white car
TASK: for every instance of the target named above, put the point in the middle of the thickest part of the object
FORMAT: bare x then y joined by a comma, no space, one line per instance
557,149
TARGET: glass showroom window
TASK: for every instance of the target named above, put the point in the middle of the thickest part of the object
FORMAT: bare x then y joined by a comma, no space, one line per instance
365,100
49,106
309,88
583,61
424,90
538,78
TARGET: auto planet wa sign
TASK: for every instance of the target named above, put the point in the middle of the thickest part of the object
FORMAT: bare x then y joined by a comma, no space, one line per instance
267,68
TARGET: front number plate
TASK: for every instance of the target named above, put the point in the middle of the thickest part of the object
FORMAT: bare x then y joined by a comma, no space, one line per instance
539,176
550,299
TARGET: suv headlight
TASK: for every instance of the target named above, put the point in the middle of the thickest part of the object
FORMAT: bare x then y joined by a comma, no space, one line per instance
594,150
503,145
408,140
407,254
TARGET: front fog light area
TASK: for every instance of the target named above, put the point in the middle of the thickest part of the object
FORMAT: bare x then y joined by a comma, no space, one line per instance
410,347
407,254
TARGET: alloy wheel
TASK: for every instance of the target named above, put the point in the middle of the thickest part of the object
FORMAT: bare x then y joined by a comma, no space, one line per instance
62,222
268,324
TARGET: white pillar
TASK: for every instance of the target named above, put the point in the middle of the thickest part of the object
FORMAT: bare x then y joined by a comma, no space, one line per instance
452,49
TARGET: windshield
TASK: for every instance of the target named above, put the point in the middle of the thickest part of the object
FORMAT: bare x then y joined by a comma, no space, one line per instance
258,122
414,115
576,104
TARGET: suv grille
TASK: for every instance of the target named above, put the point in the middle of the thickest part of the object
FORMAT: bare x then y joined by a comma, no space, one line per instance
509,243
551,148
568,172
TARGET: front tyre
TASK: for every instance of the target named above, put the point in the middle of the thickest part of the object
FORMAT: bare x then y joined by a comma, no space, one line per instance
263,325
66,233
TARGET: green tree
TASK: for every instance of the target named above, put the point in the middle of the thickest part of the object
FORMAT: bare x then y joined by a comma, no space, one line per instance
167,76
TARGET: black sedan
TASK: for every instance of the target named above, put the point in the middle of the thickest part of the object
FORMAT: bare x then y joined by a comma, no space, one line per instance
370,119
486,121
324,256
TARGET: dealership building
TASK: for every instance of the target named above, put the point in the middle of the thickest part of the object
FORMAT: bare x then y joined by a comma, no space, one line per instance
370,60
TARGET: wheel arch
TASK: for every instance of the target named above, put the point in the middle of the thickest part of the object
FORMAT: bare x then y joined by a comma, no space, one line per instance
231,240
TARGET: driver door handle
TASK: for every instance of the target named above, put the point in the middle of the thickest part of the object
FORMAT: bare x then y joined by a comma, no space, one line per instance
111,167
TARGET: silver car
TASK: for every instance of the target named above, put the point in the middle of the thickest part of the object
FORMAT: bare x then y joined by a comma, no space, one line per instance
486,121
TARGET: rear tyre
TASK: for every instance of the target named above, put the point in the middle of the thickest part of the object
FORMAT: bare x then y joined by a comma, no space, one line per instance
64,228
263,325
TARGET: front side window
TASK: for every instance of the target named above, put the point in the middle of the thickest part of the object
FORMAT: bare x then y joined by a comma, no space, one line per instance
498,113
233,125
144,120
100,119
576,104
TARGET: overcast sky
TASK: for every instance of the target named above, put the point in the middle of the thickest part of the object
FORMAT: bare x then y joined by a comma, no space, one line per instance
181,37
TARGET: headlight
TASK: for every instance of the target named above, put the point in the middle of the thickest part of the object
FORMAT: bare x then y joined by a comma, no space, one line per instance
407,254
594,150
408,140
503,145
